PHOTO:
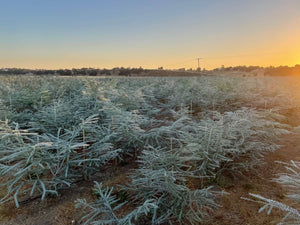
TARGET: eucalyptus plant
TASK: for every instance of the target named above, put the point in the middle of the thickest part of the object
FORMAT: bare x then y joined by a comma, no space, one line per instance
291,180
55,131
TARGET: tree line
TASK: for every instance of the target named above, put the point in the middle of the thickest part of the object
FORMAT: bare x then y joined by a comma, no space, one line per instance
118,71
268,71
121,71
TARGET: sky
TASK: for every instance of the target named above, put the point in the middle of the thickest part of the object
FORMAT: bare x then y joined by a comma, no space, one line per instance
53,34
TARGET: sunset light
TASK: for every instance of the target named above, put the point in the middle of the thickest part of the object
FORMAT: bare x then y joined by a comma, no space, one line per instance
150,112
75,34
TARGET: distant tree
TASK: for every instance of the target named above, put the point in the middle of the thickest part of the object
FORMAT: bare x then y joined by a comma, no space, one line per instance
105,72
124,72
64,72
75,71
137,70
93,72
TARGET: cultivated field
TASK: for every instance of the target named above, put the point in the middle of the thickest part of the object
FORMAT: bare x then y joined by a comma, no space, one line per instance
179,150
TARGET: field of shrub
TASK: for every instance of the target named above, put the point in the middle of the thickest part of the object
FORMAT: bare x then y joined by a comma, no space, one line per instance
181,136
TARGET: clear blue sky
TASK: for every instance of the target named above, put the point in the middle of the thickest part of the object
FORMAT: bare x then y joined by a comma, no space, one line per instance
53,34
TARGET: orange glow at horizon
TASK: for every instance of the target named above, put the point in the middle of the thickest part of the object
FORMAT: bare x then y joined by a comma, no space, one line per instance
264,60
283,52
151,34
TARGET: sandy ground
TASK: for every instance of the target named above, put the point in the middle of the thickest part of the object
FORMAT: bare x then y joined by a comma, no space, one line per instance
235,210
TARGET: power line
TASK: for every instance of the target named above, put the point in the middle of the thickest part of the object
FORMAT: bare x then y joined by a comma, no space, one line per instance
219,57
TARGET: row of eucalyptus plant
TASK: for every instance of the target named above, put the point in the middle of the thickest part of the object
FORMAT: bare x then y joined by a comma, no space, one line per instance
59,130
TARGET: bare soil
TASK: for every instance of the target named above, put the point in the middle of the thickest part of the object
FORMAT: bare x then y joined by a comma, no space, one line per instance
234,210
61,210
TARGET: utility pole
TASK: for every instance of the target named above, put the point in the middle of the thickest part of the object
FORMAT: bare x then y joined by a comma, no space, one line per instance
198,68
